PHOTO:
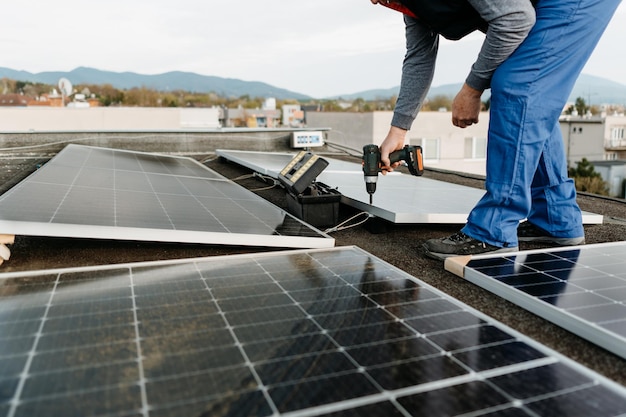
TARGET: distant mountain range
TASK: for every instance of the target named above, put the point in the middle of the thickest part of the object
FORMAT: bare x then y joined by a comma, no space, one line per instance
594,90
169,81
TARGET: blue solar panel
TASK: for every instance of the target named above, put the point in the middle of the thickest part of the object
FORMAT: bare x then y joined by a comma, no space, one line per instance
582,289
326,332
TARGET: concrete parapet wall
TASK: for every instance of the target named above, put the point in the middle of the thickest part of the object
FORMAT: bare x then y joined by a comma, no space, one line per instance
28,119
184,142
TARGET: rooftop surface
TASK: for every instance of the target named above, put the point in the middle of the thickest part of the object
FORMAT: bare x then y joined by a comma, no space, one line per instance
399,245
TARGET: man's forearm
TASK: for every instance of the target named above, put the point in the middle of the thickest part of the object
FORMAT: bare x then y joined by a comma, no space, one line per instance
417,72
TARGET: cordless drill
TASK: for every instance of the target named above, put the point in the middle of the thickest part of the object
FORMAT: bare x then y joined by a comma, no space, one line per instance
412,155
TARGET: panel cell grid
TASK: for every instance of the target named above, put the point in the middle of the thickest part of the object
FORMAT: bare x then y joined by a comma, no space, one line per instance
333,332
89,192
582,289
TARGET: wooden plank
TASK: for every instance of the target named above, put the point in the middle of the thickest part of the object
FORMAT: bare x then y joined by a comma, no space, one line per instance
457,264
7,239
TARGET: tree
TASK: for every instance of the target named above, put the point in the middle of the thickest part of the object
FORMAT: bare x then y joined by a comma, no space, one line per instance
581,106
331,105
107,94
8,86
587,179
358,105
438,102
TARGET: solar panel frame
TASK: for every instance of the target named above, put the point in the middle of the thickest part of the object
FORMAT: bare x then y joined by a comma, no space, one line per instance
424,200
100,193
300,354
564,285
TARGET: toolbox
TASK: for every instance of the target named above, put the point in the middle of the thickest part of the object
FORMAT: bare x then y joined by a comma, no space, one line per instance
318,205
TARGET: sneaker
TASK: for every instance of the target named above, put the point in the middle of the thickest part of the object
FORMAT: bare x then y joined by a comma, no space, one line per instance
460,244
528,232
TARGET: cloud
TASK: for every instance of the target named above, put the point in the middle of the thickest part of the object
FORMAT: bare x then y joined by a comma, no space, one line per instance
317,48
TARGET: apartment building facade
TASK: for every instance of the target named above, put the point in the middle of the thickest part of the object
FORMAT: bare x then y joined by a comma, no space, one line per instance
444,145
601,140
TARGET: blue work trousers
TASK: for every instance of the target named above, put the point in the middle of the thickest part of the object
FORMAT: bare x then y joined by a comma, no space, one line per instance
526,166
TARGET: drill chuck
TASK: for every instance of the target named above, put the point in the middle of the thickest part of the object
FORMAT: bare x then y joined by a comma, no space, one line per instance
370,183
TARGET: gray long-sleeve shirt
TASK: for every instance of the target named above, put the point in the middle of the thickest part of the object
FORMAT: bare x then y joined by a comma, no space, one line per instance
509,23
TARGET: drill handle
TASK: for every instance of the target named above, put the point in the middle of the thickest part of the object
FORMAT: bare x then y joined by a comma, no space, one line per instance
397,156
413,157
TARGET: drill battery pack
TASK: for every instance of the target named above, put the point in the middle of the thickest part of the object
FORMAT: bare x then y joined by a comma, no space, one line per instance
318,205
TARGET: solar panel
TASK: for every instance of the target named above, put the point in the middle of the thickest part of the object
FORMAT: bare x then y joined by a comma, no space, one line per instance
90,192
271,163
582,288
424,200
323,332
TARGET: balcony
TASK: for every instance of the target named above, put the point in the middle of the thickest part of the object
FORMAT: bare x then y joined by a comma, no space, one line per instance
615,144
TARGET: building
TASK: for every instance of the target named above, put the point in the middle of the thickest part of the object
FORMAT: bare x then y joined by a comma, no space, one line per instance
599,139
241,117
614,173
293,115
50,118
602,141
13,100
444,145
596,138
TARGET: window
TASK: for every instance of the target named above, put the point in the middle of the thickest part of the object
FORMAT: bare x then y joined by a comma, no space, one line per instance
475,148
617,133
430,148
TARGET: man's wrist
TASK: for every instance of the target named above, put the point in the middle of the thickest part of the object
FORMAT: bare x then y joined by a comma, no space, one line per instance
471,91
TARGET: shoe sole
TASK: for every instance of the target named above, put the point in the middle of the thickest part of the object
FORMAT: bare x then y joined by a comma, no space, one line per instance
444,256
561,241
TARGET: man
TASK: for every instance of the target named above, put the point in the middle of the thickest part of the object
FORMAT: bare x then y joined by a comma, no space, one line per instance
532,54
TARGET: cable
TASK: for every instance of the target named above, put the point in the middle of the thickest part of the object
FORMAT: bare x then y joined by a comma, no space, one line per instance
209,158
345,149
264,178
263,188
339,226
242,177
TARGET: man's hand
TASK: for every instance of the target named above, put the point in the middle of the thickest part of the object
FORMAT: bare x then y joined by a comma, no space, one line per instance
394,141
466,107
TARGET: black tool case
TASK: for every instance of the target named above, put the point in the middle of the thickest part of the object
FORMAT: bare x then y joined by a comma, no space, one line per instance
318,205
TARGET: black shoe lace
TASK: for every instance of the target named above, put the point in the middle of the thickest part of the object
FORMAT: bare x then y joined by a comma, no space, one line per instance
458,237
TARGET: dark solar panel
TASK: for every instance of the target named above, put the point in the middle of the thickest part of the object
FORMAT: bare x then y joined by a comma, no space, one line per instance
92,192
334,332
582,289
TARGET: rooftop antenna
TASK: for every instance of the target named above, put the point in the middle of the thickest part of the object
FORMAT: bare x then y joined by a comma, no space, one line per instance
66,89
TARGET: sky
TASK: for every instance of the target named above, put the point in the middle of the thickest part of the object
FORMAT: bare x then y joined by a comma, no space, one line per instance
319,48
